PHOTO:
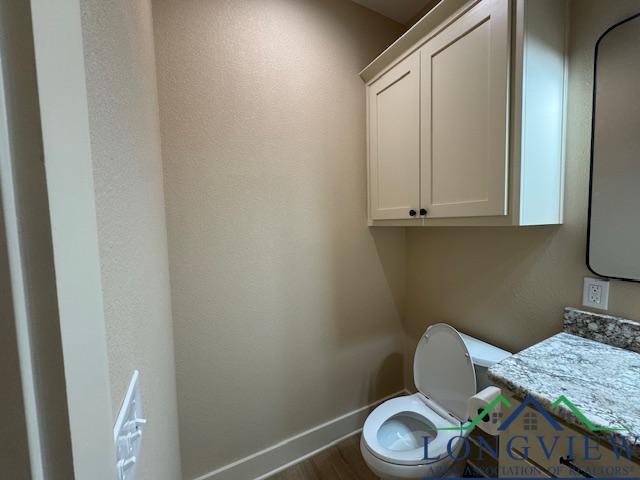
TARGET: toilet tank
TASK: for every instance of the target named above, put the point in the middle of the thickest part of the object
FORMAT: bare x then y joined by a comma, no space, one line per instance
483,356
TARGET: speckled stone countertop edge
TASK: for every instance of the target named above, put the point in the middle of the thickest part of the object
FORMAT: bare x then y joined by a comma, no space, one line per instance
520,372
569,418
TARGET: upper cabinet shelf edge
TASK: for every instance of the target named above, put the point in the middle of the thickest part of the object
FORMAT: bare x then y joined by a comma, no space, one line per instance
443,14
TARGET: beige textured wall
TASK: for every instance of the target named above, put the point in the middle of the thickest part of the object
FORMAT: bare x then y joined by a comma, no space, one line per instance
510,285
125,143
286,306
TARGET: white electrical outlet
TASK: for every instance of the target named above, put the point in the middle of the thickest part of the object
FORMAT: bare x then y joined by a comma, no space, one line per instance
595,293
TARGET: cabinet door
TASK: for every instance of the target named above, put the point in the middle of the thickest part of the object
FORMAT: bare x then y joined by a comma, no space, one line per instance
465,70
394,141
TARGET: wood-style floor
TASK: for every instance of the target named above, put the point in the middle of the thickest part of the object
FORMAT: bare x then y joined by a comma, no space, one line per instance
340,462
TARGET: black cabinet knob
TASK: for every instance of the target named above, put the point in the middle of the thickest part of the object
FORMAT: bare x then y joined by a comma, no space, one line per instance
412,213
423,211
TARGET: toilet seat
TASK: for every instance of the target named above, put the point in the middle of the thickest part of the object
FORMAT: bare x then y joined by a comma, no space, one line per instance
412,407
445,378
443,369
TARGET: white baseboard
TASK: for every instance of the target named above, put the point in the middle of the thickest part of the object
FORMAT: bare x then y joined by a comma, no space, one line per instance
280,456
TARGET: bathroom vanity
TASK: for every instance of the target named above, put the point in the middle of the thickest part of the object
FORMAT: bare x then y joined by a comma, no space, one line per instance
588,387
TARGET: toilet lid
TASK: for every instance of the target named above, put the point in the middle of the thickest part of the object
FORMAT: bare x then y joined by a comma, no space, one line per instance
443,369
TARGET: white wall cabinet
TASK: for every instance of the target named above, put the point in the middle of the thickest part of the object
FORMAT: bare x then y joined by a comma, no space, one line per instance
394,127
486,144
465,77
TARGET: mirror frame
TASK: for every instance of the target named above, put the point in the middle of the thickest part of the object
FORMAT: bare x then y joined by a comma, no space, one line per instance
593,123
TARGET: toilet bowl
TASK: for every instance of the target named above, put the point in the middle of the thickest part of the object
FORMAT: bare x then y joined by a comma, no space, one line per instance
393,440
420,435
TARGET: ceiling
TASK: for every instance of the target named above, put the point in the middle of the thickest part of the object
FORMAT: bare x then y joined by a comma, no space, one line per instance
403,11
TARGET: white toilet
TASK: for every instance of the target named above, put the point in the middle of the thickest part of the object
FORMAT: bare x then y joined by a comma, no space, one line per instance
448,368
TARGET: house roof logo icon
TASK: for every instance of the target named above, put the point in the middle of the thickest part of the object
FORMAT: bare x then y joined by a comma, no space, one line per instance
533,403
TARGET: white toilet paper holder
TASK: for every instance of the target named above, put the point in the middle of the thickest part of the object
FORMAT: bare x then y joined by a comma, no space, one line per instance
491,421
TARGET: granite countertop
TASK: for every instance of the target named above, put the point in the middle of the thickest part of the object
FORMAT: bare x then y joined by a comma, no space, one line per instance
601,380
